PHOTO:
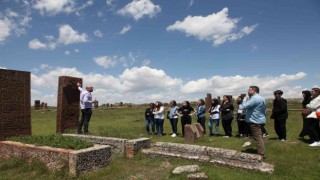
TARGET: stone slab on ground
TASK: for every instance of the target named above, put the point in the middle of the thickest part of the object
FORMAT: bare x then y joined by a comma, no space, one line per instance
197,176
216,156
183,169
190,134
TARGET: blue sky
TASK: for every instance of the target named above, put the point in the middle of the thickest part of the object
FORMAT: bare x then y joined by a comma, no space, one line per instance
148,50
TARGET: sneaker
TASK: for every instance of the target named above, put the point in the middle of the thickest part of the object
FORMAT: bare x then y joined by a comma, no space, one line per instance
265,135
173,135
315,144
283,140
248,143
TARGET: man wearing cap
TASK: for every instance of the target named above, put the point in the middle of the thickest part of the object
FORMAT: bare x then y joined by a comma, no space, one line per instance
280,115
86,108
314,106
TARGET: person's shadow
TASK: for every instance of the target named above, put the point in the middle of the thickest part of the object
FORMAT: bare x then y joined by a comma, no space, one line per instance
250,151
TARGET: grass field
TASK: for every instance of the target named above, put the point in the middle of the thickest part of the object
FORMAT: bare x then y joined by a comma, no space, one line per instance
293,159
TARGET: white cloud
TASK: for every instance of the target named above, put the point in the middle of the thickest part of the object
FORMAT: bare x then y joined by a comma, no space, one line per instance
110,2
76,50
5,26
217,28
191,3
50,7
236,85
36,44
125,29
105,61
67,53
12,22
137,9
146,62
98,33
67,35
3,67
145,84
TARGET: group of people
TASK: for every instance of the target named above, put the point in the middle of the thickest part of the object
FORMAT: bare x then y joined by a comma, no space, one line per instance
250,115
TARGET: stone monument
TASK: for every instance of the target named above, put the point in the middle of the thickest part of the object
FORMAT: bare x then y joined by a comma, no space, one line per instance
68,111
15,103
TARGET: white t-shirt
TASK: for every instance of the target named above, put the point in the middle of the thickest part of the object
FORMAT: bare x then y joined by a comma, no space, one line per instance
215,113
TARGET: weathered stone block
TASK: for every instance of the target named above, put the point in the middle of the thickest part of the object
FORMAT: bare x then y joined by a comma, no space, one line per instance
89,159
15,103
133,146
183,169
199,129
190,134
208,101
37,104
68,111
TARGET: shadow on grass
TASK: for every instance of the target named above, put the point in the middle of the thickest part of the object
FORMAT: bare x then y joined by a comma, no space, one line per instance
250,151
306,141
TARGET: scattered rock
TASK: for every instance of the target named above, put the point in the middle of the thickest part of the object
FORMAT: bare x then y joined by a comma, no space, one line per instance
197,176
182,169
166,165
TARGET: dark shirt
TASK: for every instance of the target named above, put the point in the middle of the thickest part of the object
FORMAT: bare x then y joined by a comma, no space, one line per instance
225,114
279,110
148,114
185,111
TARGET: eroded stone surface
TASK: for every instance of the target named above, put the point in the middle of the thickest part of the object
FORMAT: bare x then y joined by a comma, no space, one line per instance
197,176
182,169
68,108
15,103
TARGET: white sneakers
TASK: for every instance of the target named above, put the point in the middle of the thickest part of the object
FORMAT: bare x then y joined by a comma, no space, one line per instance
315,144
248,143
173,135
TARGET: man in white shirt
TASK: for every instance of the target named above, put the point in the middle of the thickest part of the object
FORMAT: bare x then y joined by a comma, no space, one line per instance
86,108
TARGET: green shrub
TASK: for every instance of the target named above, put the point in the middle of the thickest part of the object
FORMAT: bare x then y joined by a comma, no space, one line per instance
57,141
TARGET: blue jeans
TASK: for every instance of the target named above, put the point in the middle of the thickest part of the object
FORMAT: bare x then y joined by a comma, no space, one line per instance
148,123
210,124
174,123
159,126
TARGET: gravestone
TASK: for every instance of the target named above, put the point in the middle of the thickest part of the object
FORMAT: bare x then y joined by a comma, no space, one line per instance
199,129
96,105
208,101
15,103
68,111
37,104
219,99
42,105
190,133
45,106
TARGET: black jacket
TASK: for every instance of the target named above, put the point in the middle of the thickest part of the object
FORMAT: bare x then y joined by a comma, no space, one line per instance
225,114
279,110
148,114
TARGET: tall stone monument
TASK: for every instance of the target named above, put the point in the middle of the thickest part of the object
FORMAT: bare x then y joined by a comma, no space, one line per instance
37,104
68,111
208,101
15,103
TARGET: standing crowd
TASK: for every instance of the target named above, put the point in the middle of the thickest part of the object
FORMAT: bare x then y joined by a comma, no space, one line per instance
250,114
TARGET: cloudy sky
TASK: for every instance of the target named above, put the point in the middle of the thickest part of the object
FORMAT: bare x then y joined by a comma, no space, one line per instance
147,50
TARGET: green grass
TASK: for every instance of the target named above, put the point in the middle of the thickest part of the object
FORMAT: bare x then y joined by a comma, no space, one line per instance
293,159
57,141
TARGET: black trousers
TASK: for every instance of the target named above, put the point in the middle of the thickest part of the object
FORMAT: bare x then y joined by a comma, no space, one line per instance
280,128
226,124
184,121
202,121
314,130
85,119
305,127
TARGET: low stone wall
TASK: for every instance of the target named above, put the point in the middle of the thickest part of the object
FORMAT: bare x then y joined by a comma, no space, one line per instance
89,159
133,146
217,156
125,147
118,145
56,158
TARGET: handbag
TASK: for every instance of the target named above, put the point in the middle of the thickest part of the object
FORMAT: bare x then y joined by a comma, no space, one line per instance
318,115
